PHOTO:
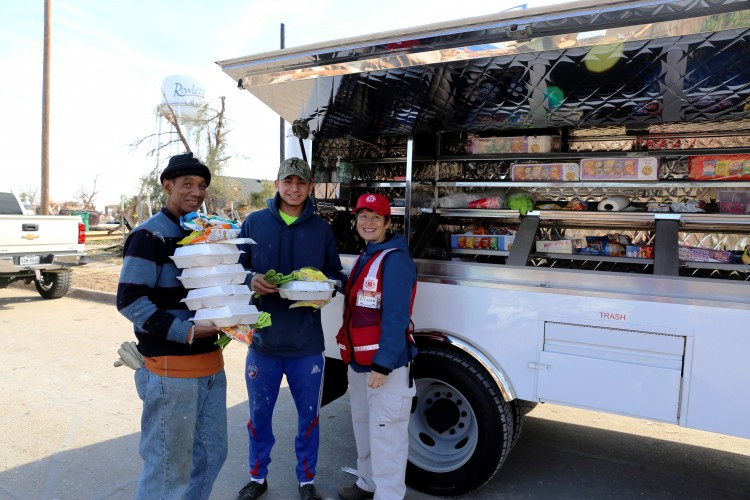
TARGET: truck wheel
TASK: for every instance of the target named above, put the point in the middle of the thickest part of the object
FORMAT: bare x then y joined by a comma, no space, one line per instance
461,429
517,409
53,285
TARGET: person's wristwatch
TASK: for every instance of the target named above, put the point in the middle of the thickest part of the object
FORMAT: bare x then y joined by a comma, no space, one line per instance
252,275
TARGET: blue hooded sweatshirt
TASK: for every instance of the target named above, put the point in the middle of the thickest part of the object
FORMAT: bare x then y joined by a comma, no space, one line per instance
307,242
399,274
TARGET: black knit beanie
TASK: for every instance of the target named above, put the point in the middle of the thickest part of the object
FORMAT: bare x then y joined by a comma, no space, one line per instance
185,164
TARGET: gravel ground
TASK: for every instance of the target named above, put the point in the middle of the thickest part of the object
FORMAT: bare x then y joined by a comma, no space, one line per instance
69,428
103,269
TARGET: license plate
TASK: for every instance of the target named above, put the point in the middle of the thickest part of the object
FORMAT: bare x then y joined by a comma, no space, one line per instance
28,260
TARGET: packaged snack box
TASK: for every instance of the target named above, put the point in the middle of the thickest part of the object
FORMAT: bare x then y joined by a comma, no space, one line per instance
525,144
619,169
545,172
639,251
554,246
695,254
483,241
719,167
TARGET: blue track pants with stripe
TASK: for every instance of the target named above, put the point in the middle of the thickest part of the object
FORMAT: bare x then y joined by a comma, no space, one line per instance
263,374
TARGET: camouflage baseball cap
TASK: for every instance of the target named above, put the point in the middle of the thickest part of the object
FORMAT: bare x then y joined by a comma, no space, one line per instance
295,166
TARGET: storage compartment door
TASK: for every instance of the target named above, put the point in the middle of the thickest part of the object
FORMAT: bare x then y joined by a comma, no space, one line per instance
627,372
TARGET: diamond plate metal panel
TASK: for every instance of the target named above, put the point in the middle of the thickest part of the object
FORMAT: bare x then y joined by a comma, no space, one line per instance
592,265
715,241
652,87
696,78
360,148
715,274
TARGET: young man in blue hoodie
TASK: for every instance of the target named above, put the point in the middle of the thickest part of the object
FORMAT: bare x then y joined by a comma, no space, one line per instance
288,236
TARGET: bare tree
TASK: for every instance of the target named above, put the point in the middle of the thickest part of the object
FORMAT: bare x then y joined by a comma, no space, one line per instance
149,187
86,198
208,133
167,111
171,117
30,195
216,157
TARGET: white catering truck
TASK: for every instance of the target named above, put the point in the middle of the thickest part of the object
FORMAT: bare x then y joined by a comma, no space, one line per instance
639,308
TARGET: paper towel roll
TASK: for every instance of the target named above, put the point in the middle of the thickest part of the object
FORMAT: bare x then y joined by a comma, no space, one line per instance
613,204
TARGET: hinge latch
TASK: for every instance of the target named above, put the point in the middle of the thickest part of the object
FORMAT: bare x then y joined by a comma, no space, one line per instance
519,31
539,366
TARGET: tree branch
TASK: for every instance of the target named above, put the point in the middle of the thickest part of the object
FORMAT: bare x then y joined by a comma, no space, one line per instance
172,118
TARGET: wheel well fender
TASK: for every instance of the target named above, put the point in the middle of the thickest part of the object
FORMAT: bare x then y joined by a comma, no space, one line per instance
425,338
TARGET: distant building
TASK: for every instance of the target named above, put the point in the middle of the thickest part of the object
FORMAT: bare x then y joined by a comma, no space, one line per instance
240,191
243,187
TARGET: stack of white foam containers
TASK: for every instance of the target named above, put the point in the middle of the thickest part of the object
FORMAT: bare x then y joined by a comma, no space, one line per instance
214,277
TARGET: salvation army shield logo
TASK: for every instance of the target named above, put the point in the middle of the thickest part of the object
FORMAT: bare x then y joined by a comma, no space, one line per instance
370,284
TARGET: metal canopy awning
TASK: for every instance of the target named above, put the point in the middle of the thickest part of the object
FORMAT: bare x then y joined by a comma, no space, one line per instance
628,63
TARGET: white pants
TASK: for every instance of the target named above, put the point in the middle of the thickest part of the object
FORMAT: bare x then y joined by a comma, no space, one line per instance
380,418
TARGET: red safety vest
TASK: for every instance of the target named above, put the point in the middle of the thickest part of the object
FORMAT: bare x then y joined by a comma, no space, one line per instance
359,336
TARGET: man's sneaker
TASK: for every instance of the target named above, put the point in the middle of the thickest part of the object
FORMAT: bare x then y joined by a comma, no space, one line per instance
354,492
308,492
253,490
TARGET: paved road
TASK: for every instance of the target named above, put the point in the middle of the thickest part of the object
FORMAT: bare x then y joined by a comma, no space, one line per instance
70,424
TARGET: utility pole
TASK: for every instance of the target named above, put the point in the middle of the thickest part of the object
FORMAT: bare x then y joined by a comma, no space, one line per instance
282,131
45,107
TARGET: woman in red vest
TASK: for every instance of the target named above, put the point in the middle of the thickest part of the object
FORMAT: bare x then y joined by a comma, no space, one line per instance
375,341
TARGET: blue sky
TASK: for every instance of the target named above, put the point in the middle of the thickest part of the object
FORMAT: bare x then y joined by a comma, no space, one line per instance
109,60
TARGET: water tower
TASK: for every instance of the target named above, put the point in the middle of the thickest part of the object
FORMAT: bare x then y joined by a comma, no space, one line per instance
185,96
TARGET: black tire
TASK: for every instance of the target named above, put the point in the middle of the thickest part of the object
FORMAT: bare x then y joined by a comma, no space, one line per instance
521,408
517,408
54,285
461,429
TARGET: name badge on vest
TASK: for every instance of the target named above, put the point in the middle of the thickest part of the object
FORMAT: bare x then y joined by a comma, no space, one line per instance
370,300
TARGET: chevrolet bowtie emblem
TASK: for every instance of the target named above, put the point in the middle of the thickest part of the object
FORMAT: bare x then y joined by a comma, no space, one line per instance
30,236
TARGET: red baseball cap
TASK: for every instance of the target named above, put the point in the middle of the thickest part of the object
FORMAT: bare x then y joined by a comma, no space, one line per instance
375,202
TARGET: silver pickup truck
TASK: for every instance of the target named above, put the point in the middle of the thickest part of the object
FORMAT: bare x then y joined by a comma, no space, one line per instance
39,248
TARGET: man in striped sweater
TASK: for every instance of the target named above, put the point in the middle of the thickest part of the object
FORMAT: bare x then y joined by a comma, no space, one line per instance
182,384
